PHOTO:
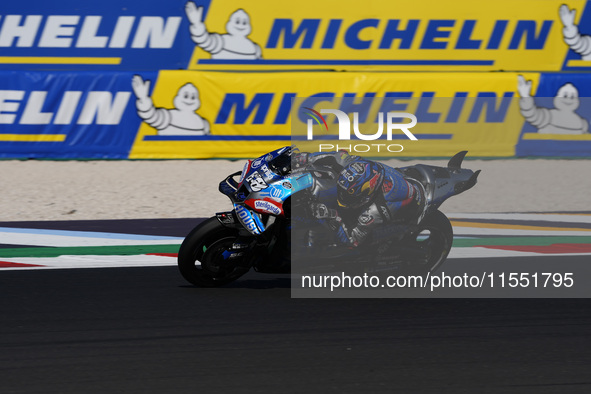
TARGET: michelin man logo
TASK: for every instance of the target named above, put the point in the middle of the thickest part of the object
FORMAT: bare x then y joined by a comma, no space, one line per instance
581,44
562,119
182,120
235,44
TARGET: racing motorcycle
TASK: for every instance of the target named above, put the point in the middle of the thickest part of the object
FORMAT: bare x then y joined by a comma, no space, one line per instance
268,197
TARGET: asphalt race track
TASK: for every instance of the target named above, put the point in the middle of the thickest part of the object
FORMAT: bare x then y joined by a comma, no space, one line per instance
144,329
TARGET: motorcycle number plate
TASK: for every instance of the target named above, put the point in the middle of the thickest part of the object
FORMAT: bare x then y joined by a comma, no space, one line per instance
256,182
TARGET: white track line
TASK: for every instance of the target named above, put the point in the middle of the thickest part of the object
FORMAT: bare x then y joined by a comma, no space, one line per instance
90,261
61,238
566,218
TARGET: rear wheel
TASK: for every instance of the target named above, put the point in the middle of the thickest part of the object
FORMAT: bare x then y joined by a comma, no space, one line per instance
205,257
434,240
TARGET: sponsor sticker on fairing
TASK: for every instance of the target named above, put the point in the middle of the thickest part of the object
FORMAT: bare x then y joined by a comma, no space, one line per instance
267,171
267,207
246,219
257,163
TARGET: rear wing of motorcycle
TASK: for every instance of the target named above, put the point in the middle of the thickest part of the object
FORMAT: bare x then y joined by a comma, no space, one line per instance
443,182
455,165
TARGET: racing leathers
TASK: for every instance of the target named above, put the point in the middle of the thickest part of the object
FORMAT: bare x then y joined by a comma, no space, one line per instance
395,199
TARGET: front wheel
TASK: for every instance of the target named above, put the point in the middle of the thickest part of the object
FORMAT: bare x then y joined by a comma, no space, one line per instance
204,256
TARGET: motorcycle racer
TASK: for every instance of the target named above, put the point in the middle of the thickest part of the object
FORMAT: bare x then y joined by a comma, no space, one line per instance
312,192
368,194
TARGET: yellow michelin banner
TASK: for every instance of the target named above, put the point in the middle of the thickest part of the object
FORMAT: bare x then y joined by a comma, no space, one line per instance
396,35
186,114
428,35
